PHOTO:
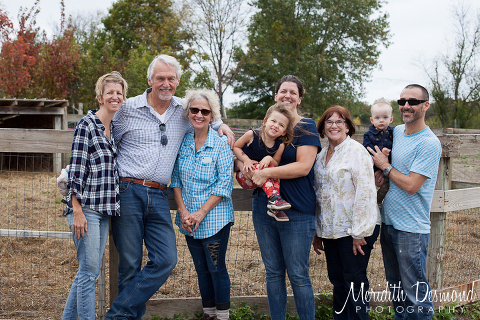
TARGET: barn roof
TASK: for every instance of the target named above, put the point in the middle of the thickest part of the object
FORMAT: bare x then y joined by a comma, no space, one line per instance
10,108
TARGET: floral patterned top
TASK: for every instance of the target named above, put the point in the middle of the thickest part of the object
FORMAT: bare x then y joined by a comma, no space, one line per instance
345,192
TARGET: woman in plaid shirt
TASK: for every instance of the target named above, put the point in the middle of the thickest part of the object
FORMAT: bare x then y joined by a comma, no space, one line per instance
92,192
202,182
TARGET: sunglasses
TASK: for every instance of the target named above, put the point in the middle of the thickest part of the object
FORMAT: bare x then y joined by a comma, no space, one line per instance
163,138
205,112
411,102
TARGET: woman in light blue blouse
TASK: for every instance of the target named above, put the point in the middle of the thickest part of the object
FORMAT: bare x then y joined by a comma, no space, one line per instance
202,182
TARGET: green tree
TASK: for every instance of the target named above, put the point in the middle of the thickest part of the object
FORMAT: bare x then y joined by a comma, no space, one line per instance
333,45
218,26
455,78
154,24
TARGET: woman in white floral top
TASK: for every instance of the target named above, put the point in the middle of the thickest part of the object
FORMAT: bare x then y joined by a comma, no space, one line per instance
347,217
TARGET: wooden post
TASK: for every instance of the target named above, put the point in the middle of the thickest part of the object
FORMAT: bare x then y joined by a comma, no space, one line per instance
64,156
112,267
57,157
102,294
436,245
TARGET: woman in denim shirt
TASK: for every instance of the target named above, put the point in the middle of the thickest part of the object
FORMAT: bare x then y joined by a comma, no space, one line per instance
202,183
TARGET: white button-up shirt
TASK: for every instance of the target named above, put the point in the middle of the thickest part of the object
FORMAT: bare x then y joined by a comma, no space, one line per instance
345,192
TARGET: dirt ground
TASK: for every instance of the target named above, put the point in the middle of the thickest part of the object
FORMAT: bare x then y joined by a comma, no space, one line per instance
36,273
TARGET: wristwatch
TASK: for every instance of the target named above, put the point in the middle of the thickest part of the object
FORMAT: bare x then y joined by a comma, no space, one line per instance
387,170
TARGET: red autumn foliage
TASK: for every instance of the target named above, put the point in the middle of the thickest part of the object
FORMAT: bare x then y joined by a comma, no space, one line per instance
33,66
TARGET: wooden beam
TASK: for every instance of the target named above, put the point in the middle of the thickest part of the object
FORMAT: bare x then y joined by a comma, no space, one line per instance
38,110
464,185
462,199
28,140
450,145
459,295
35,234
470,144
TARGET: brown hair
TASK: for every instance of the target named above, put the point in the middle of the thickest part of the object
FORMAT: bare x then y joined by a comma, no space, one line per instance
280,108
294,79
417,86
344,114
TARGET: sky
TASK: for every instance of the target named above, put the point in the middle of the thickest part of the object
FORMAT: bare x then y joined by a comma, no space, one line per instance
421,31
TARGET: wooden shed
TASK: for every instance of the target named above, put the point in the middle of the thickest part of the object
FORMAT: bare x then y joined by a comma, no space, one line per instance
30,114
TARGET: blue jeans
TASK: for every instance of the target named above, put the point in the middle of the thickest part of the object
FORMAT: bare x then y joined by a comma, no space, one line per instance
144,217
90,248
209,258
348,274
285,246
405,261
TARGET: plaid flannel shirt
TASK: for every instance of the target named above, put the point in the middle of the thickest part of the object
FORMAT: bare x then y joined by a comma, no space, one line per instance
93,176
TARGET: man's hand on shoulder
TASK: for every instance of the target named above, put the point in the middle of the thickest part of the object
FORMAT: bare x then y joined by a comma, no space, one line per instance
224,129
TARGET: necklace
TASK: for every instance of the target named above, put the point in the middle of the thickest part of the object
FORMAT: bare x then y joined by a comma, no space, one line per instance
331,152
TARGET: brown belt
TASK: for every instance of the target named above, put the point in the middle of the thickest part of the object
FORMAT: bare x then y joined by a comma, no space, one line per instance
146,183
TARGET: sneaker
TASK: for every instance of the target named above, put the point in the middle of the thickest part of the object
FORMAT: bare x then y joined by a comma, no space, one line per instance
277,203
278,215
205,317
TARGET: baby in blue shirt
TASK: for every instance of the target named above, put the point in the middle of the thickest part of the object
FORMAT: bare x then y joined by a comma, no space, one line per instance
380,134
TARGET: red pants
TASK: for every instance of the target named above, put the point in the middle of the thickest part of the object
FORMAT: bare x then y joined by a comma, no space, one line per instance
271,186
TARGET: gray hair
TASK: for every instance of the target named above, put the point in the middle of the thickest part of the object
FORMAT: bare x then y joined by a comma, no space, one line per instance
208,95
169,61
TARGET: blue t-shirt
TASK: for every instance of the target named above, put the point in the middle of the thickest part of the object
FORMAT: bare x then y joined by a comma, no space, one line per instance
257,150
420,153
299,192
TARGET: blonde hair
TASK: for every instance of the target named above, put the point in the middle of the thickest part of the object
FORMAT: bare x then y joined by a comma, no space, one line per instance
209,95
112,77
279,107
381,103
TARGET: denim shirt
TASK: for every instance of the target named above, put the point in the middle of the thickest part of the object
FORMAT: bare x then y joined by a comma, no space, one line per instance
374,137
209,171
383,139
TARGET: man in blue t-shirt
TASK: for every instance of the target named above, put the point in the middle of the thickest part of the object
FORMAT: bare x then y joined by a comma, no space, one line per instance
406,209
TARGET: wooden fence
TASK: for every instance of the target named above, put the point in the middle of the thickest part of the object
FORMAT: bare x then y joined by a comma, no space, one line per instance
444,200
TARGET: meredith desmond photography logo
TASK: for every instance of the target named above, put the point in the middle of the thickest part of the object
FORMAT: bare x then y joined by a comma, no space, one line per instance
395,293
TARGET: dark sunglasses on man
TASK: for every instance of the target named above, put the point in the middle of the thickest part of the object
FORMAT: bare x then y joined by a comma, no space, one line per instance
411,102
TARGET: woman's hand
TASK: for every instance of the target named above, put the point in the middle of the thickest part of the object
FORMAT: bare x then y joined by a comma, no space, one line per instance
79,226
259,177
195,218
317,244
357,246
185,220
